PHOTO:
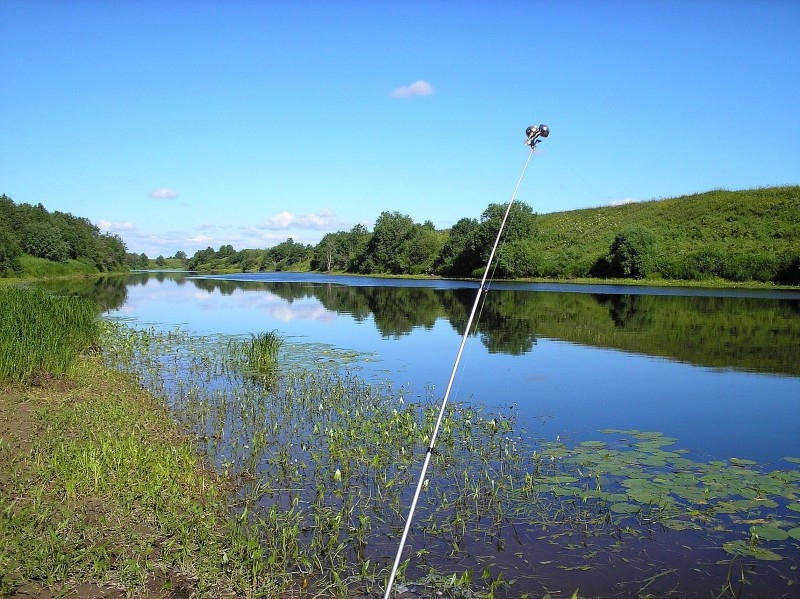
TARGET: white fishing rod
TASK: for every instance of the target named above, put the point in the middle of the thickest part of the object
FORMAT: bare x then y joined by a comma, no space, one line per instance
534,135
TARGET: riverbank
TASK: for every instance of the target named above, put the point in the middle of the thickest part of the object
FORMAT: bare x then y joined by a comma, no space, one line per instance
101,495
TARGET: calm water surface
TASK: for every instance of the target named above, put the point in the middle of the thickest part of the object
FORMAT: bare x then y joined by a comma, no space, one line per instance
719,370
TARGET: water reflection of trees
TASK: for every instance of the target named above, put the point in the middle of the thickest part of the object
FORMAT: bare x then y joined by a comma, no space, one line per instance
745,333
108,292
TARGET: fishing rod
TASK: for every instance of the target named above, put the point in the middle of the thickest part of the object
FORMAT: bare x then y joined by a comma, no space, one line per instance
534,135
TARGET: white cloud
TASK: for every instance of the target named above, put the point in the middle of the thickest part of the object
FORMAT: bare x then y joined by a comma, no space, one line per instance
416,89
625,201
321,221
111,227
199,239
163,193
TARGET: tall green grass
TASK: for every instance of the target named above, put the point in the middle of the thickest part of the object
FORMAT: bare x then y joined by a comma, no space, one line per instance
42,333
259,353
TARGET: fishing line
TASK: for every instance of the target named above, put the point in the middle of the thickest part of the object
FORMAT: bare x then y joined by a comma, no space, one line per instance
533,134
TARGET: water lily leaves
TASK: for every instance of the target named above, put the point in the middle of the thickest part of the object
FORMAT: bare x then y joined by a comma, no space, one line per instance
793,460
770,533
742,462
594,444
742,549
674,524
625,508
795,533
794,507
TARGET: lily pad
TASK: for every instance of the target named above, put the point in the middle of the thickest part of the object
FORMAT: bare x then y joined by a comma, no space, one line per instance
594,444
795,533
624,508
771,533
741,548
681,525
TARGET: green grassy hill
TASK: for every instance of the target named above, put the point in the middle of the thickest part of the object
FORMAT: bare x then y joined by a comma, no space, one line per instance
736,235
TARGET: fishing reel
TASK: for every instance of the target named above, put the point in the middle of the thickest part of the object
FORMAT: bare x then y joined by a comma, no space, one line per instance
534,134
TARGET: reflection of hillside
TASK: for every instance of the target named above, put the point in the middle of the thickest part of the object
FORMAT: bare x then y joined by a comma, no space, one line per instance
729,332
743,333
109,292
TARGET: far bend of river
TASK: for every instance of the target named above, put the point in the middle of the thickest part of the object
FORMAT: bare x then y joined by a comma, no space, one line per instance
719,370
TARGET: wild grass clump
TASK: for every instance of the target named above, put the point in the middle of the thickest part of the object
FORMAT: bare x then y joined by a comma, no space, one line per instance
42,333
259,353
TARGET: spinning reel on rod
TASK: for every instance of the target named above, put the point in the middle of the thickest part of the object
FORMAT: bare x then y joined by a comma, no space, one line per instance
534,134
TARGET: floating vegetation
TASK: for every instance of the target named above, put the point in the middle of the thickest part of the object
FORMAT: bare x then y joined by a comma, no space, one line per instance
324,465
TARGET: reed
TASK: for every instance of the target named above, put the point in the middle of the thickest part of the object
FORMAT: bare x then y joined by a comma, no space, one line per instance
259,353
42,334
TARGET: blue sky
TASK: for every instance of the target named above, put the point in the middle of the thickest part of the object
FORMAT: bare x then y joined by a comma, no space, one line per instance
182,124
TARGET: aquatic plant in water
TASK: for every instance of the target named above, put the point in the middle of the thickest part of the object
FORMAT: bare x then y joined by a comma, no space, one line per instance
324,464
258,354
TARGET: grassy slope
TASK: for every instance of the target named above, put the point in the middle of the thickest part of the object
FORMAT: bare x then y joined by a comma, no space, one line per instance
755,220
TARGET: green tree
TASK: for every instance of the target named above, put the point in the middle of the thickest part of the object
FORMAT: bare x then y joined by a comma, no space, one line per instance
161,261
459,255
520,225
10,251
201,257
381,254
287,253
329,254
418,250
631,255
43,240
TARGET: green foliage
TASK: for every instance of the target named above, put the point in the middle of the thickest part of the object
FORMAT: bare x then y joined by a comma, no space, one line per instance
42,333
384,252
137,261
10,252
41,268
56,237
631,255
748,235
286,254
43,240
460,253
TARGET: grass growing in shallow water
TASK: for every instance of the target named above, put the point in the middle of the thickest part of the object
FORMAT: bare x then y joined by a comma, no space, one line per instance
325,464
259,353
